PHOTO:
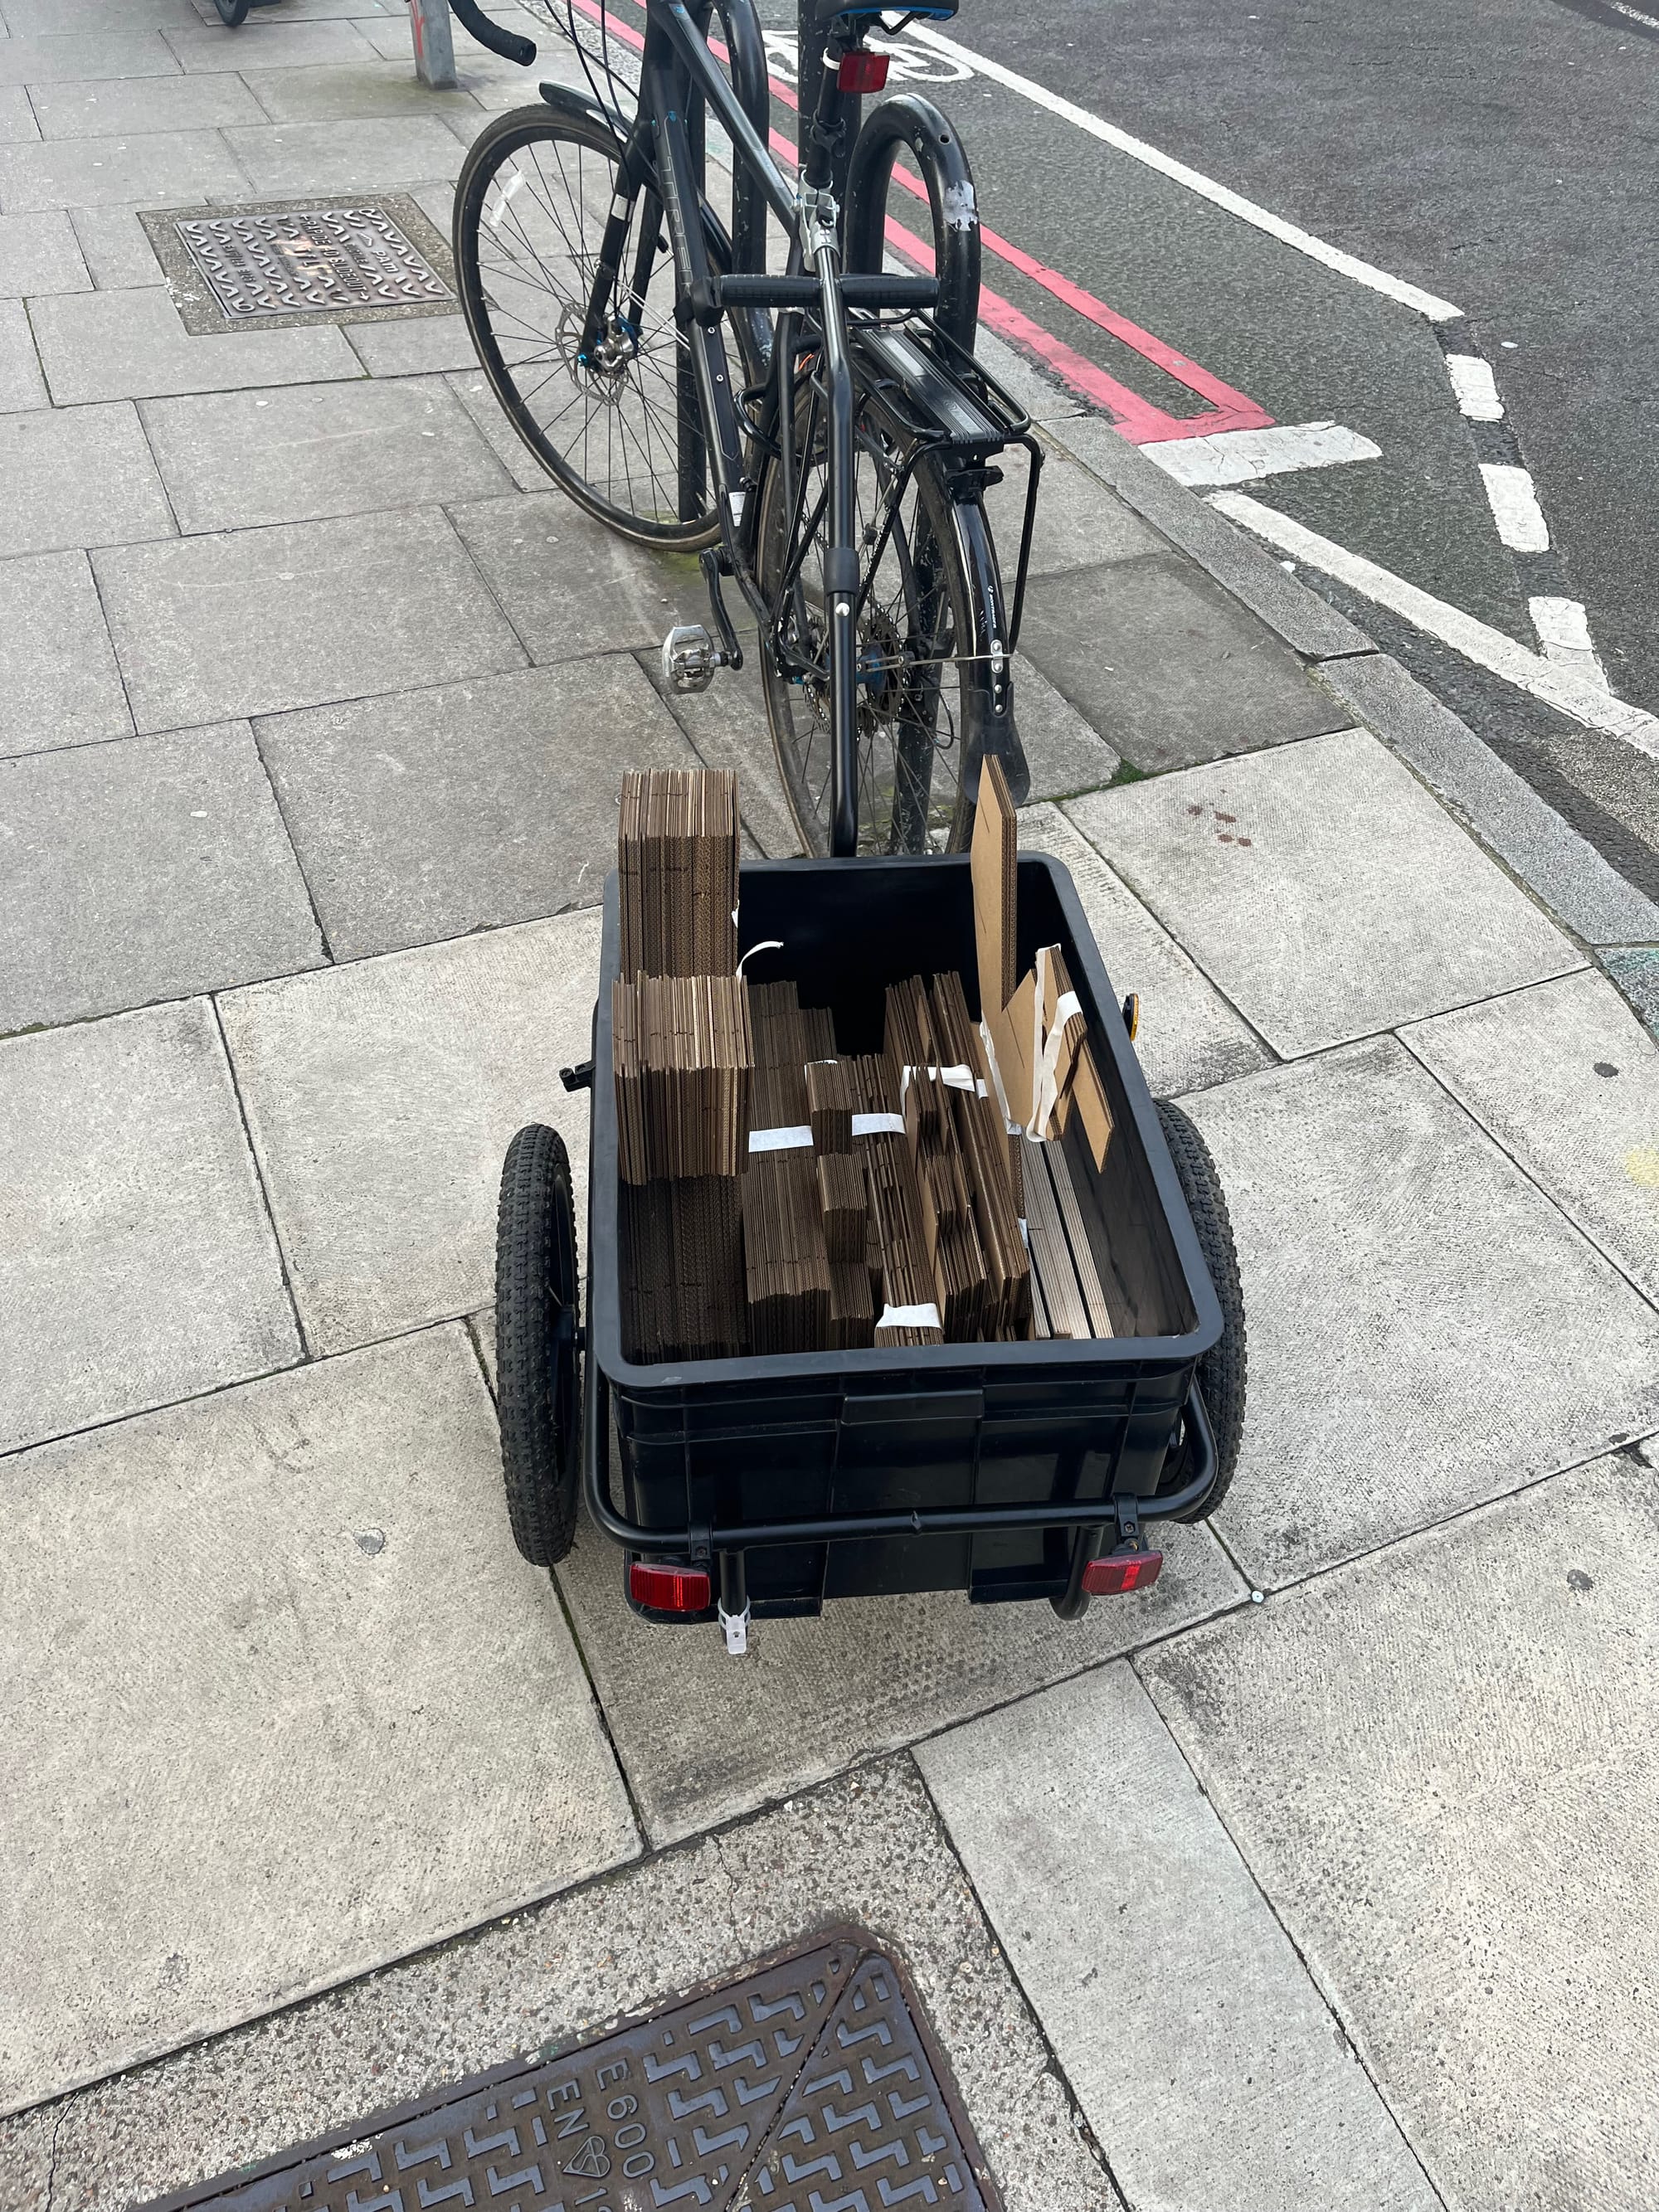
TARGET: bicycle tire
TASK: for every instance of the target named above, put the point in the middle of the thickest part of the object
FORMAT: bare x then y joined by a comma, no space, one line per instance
1222,1372
638,493
912,794
233,12
537,1294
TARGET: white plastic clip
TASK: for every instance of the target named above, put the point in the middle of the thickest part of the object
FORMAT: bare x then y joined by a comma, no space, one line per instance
736,1625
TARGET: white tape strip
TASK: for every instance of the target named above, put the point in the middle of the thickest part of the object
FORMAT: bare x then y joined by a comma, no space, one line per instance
782,1140
960,1078
878,1124
1008,1120
909,1317
766,945
1043,1089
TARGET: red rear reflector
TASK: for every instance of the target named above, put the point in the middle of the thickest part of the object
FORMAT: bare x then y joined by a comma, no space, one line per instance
1121,1570
862,72
669,1590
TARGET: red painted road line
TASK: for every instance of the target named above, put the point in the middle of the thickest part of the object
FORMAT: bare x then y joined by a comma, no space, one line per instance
1138,420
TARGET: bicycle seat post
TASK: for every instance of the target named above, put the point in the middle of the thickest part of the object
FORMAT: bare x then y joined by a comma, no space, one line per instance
810,38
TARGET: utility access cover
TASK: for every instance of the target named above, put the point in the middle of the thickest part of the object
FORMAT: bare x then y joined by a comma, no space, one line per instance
320,258
810,2083
288,261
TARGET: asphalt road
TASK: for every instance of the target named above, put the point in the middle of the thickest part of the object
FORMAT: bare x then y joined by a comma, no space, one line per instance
1502,153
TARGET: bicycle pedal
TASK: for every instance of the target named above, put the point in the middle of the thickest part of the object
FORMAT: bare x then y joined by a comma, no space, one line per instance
689,658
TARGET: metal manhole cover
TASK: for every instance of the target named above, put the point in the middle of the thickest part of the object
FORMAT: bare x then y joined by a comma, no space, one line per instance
288,261
810,2083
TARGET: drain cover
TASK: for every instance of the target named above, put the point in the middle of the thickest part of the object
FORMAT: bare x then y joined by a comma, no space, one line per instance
287,261
320,258
811,2083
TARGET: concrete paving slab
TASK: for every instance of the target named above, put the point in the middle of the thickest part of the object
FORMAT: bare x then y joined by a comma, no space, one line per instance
1635,968
870,1851
1189,1036
304,452
1427,1328
345,608
421,345
426,814
17,123
704,1738
271,44
1501,808
116,248
1222,2079
131,345
1166,665
1567,1080
381,1099
33,18
307,157
137,1260
151,869
78,477
344,94
154,170
99,109
38,254
111,55
1080,523
21,385
1226,553
1439,1765
480,404
351,1720
1324,890
59,682
1064,754
570,587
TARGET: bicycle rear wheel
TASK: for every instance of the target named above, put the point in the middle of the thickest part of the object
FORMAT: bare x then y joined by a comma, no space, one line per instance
913,632
531,204
233,11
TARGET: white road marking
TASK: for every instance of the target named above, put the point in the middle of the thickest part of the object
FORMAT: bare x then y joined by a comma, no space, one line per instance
1515,507
1477,641
1223,195
1562,627
1473,382
1241,456
1622,8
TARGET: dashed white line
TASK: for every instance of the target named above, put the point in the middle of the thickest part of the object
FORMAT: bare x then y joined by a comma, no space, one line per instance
1230,457
1558,687
1222,196
1514,508
1562,627
1475,386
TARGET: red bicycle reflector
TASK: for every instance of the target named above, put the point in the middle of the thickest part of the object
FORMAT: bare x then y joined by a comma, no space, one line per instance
862,72
1121,1570
669,1590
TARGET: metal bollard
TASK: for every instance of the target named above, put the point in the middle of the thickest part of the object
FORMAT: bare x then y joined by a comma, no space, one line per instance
434,47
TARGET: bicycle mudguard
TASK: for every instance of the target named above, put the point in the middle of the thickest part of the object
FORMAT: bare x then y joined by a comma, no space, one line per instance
582,107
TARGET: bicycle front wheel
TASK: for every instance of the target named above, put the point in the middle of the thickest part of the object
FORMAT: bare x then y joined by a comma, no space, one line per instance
531,204
233,11
916,678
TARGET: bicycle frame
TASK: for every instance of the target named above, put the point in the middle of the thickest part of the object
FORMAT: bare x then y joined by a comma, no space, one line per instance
660,158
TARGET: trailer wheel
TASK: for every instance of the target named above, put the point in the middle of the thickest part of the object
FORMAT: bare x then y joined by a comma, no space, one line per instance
538,1296
1221,1372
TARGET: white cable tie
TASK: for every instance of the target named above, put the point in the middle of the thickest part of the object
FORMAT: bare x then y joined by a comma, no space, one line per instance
782,1140
909,1317
878,1124
766,945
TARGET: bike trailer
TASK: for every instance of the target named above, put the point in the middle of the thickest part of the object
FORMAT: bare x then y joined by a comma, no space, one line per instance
1006,1470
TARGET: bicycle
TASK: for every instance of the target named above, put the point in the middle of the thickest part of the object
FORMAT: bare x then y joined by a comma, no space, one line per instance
821,434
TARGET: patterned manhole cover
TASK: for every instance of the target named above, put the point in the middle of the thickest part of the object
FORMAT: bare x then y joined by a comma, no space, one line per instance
809,2085
288,261
319,258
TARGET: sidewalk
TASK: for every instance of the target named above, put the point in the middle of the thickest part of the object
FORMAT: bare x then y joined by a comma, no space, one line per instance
1318,1879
